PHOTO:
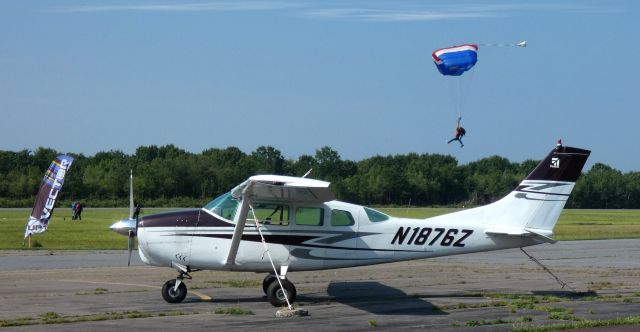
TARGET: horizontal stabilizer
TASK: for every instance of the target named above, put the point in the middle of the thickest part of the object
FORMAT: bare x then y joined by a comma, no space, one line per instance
521,232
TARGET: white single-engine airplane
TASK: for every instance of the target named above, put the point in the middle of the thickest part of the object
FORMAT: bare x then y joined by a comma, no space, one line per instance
306,229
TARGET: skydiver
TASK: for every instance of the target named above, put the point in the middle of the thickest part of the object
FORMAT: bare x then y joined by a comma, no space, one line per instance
459,133
79,209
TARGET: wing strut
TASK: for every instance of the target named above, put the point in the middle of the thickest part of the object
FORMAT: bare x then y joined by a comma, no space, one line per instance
237,232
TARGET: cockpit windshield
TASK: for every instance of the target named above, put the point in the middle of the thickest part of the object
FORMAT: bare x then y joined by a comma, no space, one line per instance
224,206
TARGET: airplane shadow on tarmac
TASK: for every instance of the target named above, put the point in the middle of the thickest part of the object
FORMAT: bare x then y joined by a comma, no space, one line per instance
566,294
370,296
379,299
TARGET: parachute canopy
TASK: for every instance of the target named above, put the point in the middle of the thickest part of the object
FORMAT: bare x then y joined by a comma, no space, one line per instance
455,60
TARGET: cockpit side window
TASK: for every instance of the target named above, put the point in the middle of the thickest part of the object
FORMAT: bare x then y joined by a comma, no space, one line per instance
224,206
375,215
270,213
341,218
309,216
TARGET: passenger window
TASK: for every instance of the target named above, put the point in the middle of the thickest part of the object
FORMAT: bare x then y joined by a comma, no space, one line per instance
309,216
270,214
341,218
375,215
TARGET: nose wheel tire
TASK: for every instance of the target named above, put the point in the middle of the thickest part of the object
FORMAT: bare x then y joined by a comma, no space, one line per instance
276,295
172,295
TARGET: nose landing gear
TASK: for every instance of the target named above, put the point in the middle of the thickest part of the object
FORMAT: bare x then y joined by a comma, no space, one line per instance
175,290
173,294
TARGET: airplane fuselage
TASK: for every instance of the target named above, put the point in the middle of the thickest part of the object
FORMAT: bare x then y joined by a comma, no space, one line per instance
308,237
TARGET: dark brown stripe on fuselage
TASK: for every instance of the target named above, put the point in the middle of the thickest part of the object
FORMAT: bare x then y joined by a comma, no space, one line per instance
183,218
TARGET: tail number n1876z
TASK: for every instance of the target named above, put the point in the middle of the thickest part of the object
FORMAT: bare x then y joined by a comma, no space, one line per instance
420,236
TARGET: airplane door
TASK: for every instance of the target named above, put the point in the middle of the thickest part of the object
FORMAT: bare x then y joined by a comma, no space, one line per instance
344,233
275,226
308,230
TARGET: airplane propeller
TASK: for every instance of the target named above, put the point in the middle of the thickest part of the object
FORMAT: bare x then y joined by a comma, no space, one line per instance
129,226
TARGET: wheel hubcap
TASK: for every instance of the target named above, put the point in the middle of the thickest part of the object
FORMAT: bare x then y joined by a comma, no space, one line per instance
280,294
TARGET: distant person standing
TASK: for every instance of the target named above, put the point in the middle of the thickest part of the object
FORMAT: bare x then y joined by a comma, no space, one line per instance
79,208
136,212
73,210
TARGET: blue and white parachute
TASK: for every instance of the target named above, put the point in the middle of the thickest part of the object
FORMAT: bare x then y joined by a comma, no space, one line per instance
455,60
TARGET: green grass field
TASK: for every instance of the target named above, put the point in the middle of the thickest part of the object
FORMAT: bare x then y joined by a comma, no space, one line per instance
93,231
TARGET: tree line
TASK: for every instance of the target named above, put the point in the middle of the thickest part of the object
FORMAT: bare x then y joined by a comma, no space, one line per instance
170,176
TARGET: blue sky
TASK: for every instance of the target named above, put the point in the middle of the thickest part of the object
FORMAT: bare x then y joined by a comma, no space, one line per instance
89,76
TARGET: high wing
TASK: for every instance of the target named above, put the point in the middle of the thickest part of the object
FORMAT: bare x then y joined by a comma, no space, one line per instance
273,188
283,188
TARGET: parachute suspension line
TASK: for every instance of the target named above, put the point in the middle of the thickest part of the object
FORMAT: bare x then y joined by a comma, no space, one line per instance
518,44
453,62
455,95
562,283
266,250
463,92
460,98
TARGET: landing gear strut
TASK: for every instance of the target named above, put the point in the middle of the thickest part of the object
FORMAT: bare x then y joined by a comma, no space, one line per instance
175,290
276,294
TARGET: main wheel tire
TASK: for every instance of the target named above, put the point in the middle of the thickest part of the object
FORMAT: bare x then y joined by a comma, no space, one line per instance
171,295
267,281
276,296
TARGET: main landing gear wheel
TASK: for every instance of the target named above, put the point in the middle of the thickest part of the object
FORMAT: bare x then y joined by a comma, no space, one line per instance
276,295
171,295
267,281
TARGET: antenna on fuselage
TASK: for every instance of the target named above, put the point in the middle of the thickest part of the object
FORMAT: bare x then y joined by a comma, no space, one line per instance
307,173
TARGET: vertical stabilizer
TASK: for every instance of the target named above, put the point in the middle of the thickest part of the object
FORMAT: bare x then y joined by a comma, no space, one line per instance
550,184
533,208
535,205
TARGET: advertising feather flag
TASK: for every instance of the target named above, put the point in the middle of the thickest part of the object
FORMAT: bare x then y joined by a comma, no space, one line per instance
47,195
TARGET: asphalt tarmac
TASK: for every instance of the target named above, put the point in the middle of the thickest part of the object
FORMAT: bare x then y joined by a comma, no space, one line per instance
496,291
